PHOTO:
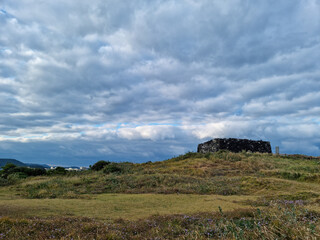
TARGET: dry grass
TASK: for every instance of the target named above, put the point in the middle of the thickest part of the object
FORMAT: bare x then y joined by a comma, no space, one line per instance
282,221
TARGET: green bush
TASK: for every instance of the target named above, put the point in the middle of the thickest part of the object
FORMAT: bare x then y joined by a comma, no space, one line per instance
7,169
21,172
57,171
3,181
113,168
14,177
99,165
120,168
291,175
30,171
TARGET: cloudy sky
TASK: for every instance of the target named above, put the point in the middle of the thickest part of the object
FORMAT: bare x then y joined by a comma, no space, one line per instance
147,80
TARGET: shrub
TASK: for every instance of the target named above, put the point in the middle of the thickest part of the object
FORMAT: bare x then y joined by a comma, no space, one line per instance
3,181
119,168
208,155
113,168
14,177
99,165
7,169
21,172
57,171
30,171
290,175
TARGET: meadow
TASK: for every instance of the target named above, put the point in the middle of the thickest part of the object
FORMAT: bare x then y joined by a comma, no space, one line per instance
193,196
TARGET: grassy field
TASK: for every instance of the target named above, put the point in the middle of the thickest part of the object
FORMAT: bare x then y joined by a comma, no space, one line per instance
125,206
193,196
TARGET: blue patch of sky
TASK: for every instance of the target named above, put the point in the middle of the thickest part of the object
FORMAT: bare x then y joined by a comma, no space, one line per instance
99,44
5,13
98,125
2,11
238,112
316,121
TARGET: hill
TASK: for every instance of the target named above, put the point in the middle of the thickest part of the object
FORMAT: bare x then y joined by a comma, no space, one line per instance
220,195
223,173
4,161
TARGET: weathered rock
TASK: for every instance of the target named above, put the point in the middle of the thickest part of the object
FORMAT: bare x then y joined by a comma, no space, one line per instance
234,145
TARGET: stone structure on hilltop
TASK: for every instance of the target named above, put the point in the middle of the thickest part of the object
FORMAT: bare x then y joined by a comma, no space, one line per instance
234,145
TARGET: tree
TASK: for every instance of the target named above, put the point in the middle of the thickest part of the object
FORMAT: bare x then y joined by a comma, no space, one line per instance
8,169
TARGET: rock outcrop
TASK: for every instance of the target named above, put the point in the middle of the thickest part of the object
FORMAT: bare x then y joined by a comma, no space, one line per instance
234,145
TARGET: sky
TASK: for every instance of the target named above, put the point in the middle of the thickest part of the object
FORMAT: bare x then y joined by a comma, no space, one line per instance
123,80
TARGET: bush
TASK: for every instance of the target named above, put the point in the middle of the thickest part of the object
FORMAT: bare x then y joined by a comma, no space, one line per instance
3,181
99,165
21,172
291,175
30,171
57,171
113,168
14,177
7,169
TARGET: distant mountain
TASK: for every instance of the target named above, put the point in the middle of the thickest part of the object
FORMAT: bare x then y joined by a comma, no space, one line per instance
4,161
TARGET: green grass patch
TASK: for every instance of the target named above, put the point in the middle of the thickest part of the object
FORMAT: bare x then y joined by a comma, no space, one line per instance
113,206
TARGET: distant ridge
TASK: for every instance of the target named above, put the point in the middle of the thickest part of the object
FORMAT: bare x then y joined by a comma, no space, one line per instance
4,161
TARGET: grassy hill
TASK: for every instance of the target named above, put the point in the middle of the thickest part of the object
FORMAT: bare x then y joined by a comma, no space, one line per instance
194,196
222,173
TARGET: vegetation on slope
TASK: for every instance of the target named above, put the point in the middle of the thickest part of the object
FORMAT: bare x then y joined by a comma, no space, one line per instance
222,173
275,197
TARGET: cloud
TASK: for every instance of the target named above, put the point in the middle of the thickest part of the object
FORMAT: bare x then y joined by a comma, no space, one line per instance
146,80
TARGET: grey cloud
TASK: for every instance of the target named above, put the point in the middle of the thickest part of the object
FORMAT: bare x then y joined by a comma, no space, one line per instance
237,68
